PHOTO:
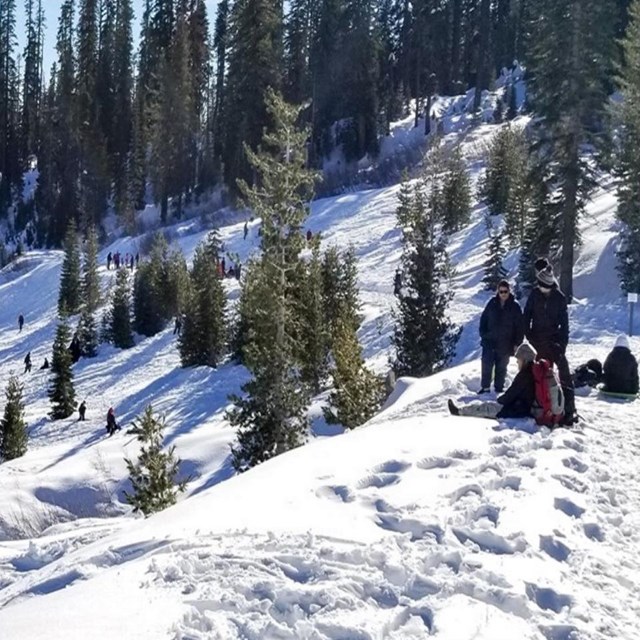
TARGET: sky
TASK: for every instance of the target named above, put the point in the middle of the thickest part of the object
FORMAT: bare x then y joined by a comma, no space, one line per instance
52,11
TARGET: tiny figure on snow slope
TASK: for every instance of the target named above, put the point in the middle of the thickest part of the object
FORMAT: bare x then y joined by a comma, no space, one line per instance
516,402
501,332
621,369
82,409
112,425
20,322
546,327
177,325
109,260
45,364
27,363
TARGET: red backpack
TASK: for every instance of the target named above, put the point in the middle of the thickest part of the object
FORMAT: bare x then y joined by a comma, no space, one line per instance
548,409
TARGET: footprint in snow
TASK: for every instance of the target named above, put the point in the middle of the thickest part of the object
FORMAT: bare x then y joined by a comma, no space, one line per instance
435,463
593,531
489,512
334,492
510,482
379,480
575,464
571,482
546,598
466,490
489,541
392,466
568,507
554,548
417,529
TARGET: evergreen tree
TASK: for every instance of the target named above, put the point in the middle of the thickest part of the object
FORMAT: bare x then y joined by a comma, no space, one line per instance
571,58
314,331
90,278
13,427
10,173
357,393
455,200
220,45
203,336
340,288
424,336
254,64
120,316
69,297
61,390
158,288
494,270
627,160
271,416
32,88
153,475
88,334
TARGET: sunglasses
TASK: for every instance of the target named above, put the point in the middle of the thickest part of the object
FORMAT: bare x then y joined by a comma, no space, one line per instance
503,291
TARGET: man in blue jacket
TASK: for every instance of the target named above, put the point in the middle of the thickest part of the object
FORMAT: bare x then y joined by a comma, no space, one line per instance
501,332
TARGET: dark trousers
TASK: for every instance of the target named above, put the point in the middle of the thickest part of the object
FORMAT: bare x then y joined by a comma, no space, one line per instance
492,359
560,360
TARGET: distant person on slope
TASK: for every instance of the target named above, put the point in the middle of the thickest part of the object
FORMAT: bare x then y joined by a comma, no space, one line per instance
517,400
621,369
45,364
501,332
112,426
27,363
546,327
82,409
20,322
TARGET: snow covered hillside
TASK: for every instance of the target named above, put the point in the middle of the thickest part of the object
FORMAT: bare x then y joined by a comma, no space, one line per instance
417,525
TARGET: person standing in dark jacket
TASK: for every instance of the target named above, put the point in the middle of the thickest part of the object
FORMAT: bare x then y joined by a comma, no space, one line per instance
621,369
546,327
518,399
501,332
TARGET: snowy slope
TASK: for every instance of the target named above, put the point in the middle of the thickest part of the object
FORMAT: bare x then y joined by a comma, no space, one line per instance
417,525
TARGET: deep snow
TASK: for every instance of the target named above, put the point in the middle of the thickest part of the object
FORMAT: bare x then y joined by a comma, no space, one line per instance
416,525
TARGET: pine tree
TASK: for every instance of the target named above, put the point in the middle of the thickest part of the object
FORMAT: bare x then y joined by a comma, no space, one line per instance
571,58
88,334
158,288
90,278
424,336
120,316
254,64
271,416
455,200
627,160
203,335
494,270
340,287
61,390
357,393
153,475
69,297
13,427
314,331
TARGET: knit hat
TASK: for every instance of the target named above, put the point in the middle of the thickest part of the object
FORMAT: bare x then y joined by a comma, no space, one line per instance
622,341
541,263
525,352
546,278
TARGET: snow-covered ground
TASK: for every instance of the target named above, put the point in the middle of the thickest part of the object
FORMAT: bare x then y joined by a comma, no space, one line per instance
417,525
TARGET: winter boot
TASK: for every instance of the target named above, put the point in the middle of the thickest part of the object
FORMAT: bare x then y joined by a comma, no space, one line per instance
453,410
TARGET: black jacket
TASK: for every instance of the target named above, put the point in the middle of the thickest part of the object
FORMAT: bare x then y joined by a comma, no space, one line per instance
546,320
501,326
518,399
621,371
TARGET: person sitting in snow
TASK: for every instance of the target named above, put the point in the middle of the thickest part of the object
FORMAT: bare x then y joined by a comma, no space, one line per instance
45,364
621,369
588,374
516,401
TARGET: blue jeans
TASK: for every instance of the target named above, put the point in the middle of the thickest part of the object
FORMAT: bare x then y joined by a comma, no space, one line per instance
492,359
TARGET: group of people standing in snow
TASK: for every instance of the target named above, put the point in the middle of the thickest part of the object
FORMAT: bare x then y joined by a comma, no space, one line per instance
545,325
118,260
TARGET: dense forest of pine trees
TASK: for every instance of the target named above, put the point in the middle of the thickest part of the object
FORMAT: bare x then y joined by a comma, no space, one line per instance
113,122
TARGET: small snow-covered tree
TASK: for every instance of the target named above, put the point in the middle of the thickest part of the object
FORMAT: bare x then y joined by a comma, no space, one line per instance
494,270
120,315
358,392
13,428
454,202
88,334
153,475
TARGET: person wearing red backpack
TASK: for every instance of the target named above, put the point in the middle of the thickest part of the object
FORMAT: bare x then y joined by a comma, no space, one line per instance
546,327
516,402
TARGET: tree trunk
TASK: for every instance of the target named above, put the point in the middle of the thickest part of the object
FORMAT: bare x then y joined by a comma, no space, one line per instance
569,220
